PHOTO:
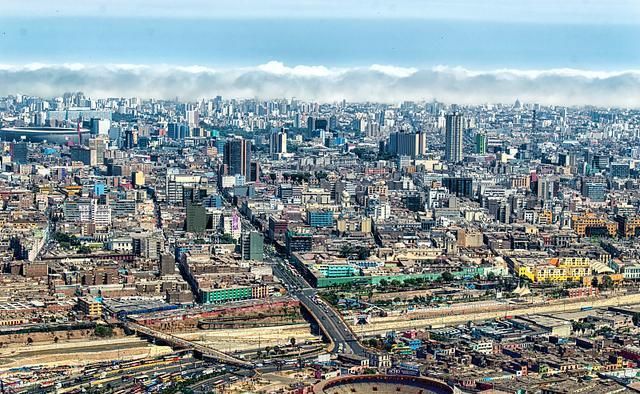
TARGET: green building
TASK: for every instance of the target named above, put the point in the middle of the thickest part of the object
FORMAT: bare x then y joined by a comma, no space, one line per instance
252,246
481,144
216,296
196,218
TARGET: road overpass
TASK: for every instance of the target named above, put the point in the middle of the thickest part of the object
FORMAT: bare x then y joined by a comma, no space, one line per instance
329,320
181,343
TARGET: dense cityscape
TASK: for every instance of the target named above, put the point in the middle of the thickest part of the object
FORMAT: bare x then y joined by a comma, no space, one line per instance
290,246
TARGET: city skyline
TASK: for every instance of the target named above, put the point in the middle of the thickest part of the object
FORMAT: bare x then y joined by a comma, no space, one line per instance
459,51
377,83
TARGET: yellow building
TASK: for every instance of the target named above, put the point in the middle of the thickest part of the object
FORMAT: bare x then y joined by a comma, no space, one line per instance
589,223
545,217
558,270
72,190
90,307
365,225
137,178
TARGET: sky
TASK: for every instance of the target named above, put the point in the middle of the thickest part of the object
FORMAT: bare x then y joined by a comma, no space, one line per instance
569,52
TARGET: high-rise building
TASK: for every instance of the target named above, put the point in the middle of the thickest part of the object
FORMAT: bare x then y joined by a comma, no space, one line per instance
176,184
237,157
100,126
481,144
407,144
594,190
193,118
81,153
98,146
196,218
130,139
252,246
20,152
254,171
137,178
453,138
317,124
459,186
167,265
620,170
278,143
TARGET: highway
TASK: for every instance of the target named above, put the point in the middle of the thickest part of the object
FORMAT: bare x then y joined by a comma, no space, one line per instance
329,320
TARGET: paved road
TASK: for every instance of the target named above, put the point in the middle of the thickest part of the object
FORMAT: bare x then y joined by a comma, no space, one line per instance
330,321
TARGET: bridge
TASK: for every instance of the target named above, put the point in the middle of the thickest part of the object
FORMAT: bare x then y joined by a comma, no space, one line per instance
178,342
329,320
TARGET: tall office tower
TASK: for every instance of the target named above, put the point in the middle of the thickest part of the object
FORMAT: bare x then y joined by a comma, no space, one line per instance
317,124
333,122
252,246
408,144
237,157
100,126
311,124
98,145
193,118
453,138
481,144
81,153
130,139
20,152
278,143
254,172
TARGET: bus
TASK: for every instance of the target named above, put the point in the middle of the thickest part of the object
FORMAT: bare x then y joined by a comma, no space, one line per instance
140,378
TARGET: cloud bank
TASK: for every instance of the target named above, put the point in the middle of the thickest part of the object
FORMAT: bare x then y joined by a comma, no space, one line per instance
379,83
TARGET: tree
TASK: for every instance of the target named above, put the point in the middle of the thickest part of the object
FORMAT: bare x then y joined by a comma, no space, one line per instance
292,341
491,276
103,331
83,249
369,293
594,282
607,282
636,319
383,283
56,339
447,276
227,239
29,341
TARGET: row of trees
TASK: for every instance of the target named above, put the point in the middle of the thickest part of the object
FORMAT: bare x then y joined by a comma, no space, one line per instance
275,350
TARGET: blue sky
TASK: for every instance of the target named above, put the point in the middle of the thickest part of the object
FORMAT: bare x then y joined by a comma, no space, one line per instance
606,12
466,51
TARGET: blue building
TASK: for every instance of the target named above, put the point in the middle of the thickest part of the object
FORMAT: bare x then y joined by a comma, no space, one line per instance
321,218
98,189
212,201
594,190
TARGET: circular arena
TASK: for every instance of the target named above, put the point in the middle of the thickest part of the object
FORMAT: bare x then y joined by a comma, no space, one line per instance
54,135
382,384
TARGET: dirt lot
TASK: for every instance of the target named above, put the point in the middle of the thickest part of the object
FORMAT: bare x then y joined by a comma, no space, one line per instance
79,352
251,338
